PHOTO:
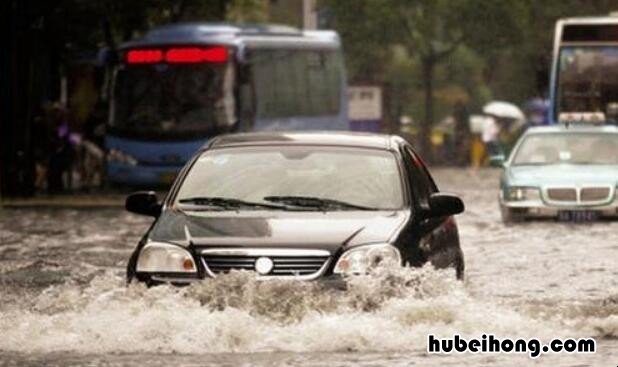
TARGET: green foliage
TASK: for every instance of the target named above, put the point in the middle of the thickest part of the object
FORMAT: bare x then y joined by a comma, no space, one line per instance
247,11
475,50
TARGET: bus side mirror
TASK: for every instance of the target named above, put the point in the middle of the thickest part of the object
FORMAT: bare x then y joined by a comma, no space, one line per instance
144,203
497,160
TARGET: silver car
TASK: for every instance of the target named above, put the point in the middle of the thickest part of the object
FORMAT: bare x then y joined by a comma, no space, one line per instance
561,172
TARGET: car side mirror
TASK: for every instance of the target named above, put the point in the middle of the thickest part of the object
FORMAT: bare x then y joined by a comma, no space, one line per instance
143,202
443,205
497,160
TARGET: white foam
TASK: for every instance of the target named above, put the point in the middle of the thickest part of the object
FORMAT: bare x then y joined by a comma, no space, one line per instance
386,312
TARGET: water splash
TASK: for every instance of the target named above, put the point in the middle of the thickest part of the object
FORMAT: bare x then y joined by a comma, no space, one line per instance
390,311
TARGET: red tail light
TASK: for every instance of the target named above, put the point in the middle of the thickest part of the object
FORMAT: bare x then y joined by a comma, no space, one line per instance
150,56
196,55
178,55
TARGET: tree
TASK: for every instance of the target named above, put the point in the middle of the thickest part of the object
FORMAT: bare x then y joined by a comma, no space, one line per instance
434,29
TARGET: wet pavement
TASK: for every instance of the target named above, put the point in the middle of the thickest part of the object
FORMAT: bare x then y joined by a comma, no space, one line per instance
64,300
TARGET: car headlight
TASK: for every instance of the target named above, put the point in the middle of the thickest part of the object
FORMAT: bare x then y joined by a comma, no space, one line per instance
523,193
363,259
157,257
115,155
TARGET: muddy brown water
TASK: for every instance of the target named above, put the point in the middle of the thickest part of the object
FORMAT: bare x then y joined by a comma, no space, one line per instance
63,300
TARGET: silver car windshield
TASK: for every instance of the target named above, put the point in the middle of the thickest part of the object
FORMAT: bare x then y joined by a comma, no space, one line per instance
361,177
574,148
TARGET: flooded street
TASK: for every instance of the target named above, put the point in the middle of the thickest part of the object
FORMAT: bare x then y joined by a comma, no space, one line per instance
64,300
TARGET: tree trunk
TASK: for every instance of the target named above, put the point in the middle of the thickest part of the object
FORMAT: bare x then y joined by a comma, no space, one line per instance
425,126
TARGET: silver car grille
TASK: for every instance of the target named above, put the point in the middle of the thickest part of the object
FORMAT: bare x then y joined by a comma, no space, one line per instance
579,195
594,194
562,194
304,263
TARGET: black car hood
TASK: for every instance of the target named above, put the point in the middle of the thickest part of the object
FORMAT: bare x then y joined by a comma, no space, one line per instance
316,230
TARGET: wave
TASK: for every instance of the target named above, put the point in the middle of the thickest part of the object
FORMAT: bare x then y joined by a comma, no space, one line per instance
390,311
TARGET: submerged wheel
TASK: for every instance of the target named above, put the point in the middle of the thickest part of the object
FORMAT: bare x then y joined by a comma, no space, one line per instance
449,258
460,266
510,216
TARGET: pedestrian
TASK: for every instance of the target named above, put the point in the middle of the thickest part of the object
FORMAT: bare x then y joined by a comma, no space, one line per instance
62,153
461,133
42,138
491,137
91,149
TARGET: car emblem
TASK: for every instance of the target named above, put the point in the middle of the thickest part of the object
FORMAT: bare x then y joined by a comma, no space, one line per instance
263,265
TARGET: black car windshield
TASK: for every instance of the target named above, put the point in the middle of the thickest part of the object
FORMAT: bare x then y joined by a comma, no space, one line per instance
338,178
575,148
173,100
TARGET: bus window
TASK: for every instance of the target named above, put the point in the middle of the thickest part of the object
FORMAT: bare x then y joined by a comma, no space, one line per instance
296,82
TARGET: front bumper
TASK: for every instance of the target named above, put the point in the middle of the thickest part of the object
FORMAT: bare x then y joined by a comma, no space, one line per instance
539,209
331,281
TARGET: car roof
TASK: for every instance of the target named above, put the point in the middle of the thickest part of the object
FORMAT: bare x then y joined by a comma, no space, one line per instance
573,128
331,138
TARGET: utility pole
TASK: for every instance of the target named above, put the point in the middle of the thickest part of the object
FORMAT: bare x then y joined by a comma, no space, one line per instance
310,14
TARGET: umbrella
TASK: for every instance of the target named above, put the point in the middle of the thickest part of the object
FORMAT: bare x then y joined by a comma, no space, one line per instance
504,110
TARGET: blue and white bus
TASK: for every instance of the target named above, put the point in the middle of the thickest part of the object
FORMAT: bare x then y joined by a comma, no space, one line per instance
181,84
584,77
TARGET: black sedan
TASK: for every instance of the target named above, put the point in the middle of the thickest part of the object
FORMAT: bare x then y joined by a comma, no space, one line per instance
299,206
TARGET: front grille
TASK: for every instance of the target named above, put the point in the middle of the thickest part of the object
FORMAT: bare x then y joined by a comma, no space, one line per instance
284,264
562,194
594,194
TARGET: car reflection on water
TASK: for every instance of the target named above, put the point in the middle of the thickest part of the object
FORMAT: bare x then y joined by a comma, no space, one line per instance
299,206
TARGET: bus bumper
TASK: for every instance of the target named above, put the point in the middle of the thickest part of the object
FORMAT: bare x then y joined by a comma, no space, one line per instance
141,175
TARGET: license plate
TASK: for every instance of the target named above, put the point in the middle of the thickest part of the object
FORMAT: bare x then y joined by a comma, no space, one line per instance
578,215
167,177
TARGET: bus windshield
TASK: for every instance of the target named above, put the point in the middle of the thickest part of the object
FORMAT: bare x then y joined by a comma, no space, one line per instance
173,100
588,80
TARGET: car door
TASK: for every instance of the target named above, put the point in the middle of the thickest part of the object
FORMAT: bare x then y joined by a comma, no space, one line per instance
433,239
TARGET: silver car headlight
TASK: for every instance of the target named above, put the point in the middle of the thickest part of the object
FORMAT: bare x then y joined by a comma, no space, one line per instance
523,194
116,156
363,259
158,257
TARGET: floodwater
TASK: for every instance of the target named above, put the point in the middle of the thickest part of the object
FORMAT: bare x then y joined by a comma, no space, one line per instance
63,298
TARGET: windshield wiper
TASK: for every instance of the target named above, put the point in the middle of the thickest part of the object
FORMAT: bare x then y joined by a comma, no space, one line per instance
228,203
316,202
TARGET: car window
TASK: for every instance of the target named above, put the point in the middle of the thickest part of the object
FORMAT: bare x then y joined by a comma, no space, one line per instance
296,82
575,148
363,177
422,183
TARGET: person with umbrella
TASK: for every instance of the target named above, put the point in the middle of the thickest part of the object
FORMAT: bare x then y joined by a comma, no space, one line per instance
504,126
